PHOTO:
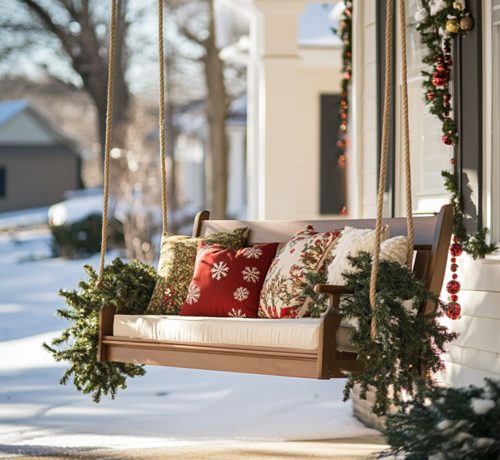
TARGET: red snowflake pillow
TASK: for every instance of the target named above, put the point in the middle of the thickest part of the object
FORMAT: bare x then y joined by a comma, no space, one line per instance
228,282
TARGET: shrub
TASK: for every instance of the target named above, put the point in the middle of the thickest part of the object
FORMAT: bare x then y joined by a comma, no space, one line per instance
83,238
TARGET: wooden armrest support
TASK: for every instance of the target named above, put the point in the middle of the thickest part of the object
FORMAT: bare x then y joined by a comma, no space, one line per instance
106,319
331,289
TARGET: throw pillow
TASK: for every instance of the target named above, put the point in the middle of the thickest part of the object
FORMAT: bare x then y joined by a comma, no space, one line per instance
281,295
176,268
395,249
351,242
228,282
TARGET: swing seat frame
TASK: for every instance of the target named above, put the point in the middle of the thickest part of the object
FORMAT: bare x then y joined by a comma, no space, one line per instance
432,239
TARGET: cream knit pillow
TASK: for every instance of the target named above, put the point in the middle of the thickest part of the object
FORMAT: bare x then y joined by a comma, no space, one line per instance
352,240
395,249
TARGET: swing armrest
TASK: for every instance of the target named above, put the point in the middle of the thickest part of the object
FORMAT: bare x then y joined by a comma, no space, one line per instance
331,289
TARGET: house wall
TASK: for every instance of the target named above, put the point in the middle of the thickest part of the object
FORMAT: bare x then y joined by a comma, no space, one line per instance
476,353
287,87
33,180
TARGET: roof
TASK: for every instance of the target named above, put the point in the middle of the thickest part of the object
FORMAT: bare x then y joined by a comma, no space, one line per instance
9,109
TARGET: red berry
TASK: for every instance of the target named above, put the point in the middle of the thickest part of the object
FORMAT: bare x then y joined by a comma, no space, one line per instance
454,298
447,49
440,68
453,287
454,310
453,260
454,268
452,161
456,250
430,95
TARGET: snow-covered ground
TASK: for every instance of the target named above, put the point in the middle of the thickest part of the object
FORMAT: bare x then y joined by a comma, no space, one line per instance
168,406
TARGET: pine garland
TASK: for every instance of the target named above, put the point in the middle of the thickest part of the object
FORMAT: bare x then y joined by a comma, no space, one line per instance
447,423
438,23
404,339
127,286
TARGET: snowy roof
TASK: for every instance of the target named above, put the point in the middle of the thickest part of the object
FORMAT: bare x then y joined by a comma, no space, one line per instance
9,109
316,23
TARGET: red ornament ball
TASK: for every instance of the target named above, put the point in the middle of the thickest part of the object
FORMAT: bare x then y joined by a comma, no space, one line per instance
439,59
446,114
453,260
454,310
440,68
449,62
447,140
456,250
447,49
430,95
454,267
454,298
454,276
447,105
452,161
453,287
439,79
455,239
448,70
447,97
435,31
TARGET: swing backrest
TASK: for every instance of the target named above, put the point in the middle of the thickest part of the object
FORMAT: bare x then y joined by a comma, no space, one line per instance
431,242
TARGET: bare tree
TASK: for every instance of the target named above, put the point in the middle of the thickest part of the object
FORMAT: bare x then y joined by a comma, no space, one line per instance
217,100
76,27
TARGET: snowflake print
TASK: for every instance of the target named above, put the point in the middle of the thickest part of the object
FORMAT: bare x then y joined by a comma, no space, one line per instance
236,313
241,294
219,270
194,294
251,274
253,253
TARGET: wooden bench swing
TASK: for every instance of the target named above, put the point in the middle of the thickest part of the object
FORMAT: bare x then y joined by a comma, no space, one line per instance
429,237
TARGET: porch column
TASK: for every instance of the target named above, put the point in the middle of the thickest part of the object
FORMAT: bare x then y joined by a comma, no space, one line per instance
276,91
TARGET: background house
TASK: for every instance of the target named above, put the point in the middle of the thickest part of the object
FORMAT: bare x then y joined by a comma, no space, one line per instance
38,163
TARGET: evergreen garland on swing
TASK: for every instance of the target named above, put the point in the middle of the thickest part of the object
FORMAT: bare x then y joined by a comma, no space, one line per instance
128,287
404,339
439,22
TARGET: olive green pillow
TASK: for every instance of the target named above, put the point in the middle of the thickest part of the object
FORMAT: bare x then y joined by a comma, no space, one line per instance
176,268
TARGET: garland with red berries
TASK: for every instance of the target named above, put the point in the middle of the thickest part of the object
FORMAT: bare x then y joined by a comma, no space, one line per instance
439,21
345,32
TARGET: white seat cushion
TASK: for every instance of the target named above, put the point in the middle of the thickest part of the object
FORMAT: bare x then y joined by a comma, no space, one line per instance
290,333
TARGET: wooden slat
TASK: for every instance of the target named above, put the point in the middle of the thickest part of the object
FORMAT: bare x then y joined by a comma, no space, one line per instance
215,361
210,348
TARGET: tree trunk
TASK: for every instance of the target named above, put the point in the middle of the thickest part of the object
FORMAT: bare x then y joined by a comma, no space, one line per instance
216,115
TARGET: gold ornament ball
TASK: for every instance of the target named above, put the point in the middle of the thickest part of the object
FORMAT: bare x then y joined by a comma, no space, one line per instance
452,26
467,23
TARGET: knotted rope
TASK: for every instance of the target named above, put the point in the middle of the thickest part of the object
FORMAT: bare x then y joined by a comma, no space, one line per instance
385,145
109,116
107,149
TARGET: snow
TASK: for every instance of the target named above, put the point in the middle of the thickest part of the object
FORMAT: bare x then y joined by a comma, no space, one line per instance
75,209
167,407
23,218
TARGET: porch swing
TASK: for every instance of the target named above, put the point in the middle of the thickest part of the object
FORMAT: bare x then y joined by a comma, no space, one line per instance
330,355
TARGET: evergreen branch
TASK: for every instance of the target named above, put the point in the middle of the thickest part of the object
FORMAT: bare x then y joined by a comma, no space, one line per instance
128,286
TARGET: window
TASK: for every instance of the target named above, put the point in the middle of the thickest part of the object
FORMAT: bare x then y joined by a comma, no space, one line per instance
429,156
332,161
3,187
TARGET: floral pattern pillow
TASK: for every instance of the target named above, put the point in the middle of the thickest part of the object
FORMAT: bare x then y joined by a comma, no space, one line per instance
176,267
281,293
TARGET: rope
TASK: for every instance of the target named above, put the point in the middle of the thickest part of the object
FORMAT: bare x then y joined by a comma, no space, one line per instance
109,116
383,161
385,143
162,118
404,90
